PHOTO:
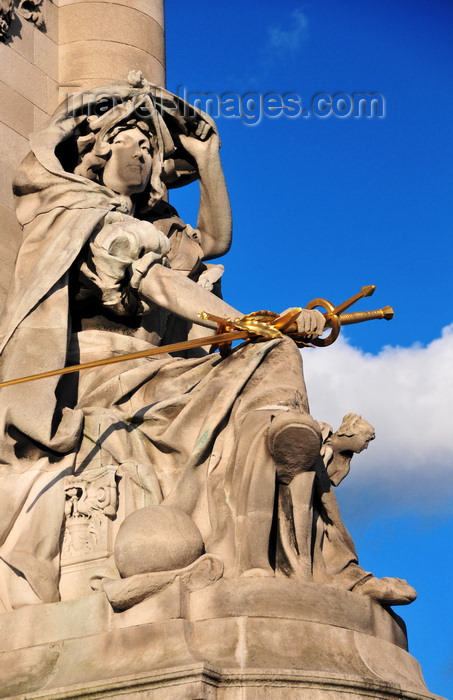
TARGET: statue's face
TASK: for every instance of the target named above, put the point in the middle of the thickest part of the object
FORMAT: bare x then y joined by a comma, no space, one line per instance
364,433
128,169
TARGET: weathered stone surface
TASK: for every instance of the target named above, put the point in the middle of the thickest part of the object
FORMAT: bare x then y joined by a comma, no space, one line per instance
17,112
240,647
46,55
275,597
126,25
152,8
24,77
88,65
103,41
156,539
12,144
33,666
46,624
22,37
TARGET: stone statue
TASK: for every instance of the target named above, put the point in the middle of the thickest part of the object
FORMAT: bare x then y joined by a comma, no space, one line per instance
212,460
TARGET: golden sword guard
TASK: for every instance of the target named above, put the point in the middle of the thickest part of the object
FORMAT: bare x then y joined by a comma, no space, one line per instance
335,318
259,325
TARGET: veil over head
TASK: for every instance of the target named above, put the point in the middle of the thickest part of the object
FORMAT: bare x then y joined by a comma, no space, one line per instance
59,208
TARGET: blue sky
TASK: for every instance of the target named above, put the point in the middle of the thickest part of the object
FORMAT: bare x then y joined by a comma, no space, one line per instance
323,206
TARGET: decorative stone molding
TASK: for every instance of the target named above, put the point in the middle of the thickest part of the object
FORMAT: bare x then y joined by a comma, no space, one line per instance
90,499
27,9
263,638
31,10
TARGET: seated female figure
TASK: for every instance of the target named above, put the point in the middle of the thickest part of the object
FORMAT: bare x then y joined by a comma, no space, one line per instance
107,268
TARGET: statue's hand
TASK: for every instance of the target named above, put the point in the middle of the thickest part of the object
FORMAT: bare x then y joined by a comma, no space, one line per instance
209,277
310,321
202,144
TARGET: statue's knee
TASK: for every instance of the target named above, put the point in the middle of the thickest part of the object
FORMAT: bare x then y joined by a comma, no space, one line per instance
294,442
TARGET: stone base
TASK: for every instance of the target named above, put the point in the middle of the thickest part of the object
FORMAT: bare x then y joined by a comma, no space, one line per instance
243,639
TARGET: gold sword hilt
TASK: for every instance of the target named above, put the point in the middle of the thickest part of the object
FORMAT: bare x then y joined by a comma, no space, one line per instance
335,318
386,313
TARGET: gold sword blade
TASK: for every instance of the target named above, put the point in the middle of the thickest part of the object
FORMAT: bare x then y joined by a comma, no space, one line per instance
284,322
174,347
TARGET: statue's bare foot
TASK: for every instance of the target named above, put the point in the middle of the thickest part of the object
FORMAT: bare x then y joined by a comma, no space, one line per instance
387,591
294,442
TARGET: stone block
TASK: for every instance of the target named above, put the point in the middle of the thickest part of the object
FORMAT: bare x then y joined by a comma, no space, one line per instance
46,55
20,75
91,21
38,625
53,96
260,648
21,37
124,652
33,667
13,147
294,645
50,13
388,663
152,8
103,61
266,643
15,110
308,601
39,118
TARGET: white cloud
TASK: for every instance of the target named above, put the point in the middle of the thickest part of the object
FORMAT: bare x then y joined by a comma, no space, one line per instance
407,394
292,37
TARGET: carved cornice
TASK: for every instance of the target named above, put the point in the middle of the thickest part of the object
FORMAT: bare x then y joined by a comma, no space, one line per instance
27,9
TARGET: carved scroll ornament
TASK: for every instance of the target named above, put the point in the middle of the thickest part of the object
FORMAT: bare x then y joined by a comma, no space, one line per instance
27,9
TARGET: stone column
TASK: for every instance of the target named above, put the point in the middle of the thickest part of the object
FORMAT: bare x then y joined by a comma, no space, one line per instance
102,41
28,94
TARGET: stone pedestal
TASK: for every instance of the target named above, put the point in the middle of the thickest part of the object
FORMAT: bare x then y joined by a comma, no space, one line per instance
237,639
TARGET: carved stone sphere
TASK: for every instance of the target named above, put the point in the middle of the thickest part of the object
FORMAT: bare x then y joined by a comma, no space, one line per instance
157,538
